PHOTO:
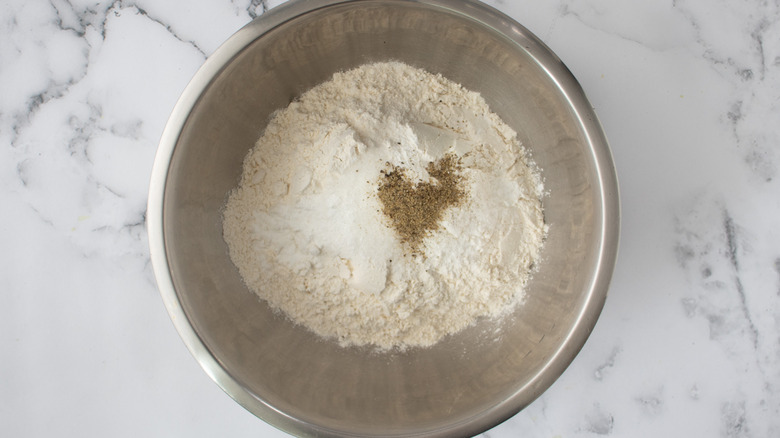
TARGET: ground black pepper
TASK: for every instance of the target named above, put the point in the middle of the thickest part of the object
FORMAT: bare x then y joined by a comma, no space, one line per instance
416,209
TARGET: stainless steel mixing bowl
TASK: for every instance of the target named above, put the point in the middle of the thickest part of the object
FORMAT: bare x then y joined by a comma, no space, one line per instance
282,373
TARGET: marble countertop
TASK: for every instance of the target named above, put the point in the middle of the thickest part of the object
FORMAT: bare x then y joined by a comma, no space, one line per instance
688,343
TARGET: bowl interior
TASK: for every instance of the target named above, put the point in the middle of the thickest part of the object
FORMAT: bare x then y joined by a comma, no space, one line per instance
467,382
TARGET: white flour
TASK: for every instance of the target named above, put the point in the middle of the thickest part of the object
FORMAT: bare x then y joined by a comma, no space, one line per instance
305,226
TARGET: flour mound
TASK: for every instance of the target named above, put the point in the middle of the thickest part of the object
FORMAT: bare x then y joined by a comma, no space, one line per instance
306,230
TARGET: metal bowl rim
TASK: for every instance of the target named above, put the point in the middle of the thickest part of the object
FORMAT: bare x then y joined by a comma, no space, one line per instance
469,9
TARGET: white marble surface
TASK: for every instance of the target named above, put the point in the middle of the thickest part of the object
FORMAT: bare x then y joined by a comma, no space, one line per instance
688,344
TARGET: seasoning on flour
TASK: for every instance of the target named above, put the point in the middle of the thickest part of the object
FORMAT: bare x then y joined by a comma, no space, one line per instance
415,209
362,169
